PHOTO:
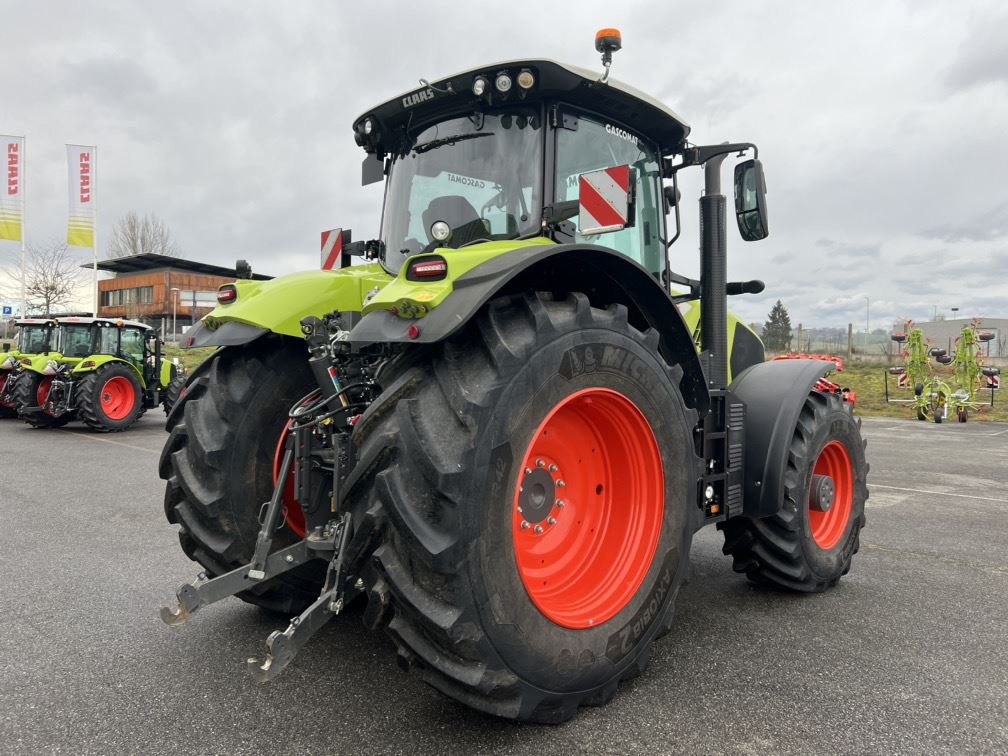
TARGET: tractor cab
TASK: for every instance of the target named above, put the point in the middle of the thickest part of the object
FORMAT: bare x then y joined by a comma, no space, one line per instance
35,335
500,153
76,338
131,341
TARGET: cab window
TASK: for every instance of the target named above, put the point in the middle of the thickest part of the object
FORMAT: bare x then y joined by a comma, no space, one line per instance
595,144
132,345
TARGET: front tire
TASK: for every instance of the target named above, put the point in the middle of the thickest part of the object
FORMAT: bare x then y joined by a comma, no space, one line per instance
218,462
803,548
457,457
110,399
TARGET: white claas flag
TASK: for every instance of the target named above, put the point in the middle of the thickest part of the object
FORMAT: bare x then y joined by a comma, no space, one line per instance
12,191
81,167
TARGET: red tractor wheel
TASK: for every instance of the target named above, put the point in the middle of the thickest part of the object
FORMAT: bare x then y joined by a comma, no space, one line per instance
110,398
538,479
808,545
588,508
32,390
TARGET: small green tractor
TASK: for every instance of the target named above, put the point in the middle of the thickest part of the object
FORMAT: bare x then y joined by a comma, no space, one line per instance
497,433
105,373
35,340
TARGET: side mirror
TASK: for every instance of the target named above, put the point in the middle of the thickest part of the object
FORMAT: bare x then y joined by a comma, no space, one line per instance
372,170
606,201
750,200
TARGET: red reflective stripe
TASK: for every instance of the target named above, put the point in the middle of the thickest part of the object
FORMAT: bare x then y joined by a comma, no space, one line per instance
332,246
621,175
597,206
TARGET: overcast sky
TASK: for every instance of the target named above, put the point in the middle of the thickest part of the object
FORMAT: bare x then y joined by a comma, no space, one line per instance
882,126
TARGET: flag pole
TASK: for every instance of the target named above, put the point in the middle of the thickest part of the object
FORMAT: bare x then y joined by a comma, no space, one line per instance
94,235
24,225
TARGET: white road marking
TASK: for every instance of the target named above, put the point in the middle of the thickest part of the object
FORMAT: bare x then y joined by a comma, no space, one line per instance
937,493
92,437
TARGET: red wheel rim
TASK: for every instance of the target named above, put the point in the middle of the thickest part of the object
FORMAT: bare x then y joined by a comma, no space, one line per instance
293,514
117,398
586,530
828,527
42,392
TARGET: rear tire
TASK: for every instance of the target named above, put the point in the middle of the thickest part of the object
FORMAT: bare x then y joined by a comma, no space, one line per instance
30,391
921,415
799,548
173,391
443,451
110,399
218,462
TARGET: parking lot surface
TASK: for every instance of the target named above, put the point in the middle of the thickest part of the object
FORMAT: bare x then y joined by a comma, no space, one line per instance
908,655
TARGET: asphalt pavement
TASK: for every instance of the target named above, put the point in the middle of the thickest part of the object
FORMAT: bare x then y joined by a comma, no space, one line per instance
909,654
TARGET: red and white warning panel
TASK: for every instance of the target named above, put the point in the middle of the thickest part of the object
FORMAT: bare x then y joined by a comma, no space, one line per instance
604,200
993,381
332,248
902,380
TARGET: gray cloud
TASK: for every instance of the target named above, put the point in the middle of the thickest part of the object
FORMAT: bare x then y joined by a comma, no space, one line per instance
231,121
981,58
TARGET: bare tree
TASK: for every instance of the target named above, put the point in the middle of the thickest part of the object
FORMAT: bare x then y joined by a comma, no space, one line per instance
52,277
136,235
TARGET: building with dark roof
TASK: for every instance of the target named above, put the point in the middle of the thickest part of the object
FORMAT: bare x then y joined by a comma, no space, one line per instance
162,291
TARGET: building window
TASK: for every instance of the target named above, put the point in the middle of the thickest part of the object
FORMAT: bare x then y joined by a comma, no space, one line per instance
120,297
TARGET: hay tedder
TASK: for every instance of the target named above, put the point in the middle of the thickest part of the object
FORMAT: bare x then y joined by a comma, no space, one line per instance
497,433
934,397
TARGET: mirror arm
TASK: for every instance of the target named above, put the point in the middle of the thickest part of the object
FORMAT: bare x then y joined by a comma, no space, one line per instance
701,154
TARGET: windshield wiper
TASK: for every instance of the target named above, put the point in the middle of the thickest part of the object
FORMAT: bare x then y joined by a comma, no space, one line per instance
435,143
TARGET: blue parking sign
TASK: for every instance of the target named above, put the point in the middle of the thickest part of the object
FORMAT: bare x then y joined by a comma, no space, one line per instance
8,309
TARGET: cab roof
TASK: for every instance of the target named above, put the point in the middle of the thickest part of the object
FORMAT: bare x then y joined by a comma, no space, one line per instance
75,320
402,118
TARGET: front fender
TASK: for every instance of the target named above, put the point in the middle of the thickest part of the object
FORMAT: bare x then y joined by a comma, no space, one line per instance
774,394
605,276
279,304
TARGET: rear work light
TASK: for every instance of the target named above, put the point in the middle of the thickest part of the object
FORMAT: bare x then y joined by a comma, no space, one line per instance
428,269
227,294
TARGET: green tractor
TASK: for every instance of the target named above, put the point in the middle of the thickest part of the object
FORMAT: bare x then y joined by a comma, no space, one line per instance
35,340
106,374
498,432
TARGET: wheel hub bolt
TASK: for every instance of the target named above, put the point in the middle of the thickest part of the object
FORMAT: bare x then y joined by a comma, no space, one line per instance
551,520
528,470
552,468
525,525
561,504
540,463
538,529
560,484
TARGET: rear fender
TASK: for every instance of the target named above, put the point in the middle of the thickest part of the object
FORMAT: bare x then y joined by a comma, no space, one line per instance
605,276
97,361
279,304
774,394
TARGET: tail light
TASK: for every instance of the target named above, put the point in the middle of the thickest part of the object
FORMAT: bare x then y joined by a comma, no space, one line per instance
427,269
227,294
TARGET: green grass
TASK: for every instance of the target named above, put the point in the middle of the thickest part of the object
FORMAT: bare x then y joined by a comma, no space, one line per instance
868,382
190,358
